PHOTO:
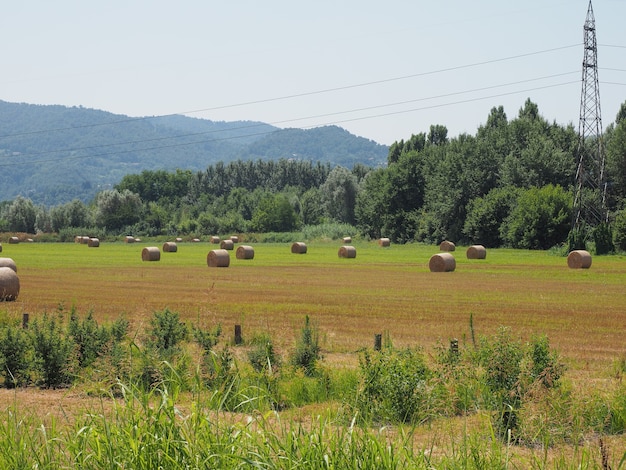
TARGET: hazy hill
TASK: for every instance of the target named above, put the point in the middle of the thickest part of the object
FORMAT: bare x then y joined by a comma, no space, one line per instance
53,154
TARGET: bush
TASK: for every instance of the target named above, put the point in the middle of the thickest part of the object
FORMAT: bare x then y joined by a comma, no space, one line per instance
15,352
166,331
395,386
262,355
55,355
307,351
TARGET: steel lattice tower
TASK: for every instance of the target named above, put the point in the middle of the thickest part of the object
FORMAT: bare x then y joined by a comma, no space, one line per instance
590,197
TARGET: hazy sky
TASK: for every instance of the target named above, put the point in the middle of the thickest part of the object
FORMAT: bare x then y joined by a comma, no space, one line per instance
381,69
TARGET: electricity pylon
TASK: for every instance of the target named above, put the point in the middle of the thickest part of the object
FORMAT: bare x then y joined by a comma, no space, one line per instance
590,197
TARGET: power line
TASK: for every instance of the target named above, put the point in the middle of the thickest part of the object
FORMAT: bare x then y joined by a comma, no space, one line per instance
304,127
251,126
309,93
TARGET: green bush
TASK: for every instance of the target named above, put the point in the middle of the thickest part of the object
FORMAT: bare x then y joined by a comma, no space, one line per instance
54,352
307,351
396,386
166,331
262,356
15,356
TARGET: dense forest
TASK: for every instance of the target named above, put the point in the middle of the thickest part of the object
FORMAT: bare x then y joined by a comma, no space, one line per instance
54,154
511,184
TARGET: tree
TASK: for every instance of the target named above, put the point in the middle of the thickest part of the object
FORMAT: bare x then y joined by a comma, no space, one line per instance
540,220
21,215
486,214
274,214
115,209
339,193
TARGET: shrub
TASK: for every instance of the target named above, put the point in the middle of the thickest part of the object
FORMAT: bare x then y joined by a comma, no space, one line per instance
395,386
307,351
55,356
15,352
603,238
166,331
262,355
90,338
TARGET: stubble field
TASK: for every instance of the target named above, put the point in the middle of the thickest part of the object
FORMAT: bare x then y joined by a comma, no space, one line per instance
386,291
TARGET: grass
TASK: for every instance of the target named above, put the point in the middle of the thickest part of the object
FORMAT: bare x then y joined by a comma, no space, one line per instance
384,290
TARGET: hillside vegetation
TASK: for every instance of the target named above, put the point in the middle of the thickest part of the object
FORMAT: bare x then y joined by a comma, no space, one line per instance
511,184
53,154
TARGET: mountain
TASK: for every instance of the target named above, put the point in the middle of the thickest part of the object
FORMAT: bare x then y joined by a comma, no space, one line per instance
53,154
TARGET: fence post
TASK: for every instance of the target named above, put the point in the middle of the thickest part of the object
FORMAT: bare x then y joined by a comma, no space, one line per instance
238,339
24,321
454,346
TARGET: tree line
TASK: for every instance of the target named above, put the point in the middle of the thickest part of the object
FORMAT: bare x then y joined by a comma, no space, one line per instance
510,184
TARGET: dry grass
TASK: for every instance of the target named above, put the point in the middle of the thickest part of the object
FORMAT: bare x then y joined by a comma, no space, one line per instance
583,312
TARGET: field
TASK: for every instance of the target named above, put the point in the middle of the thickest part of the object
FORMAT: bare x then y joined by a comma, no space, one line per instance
383,290
387,291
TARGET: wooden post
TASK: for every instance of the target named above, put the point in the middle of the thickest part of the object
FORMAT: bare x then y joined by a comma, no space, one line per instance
24,321
238,339
378,342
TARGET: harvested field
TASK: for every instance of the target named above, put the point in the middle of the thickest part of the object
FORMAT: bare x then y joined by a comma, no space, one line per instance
581,311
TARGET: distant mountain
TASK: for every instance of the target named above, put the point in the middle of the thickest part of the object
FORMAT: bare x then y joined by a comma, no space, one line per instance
53,154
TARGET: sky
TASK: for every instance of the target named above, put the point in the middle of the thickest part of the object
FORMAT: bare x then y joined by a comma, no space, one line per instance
381,70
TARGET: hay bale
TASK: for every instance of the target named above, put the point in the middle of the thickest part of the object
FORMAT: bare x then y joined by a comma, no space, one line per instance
196,240
245,252
218,259
170,247
179,240
85,241
151,253
476,252
227,245
78,239
9,285
14,241
447,246
298,248
129,239
442,263
384,242
347,251
8,263
347,239
234,238
579,259
93,243
215,240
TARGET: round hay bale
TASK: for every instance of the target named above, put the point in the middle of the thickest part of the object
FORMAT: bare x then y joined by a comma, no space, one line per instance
298,248
93,243
78,239
227,245
215,240
151,253
196,240
14,241
442,263
384,242
347,251
9,284
476,252
129,239
347,239
218,259
447,246
170,247
579,259
234,238
85,241
244,252
8,263
179,240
